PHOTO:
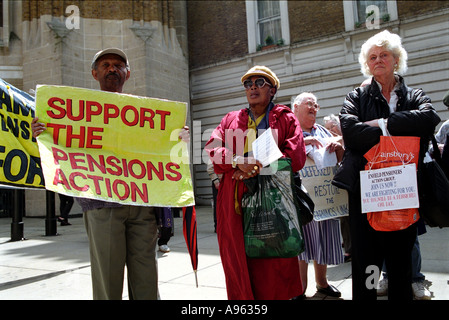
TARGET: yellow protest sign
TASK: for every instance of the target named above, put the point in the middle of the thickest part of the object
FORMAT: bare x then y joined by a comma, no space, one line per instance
19,153
113,147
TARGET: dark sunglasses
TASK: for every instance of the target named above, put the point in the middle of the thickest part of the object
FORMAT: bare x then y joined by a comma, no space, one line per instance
260,82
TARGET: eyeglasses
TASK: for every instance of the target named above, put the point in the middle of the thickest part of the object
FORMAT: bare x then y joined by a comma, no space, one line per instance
314,105
260,82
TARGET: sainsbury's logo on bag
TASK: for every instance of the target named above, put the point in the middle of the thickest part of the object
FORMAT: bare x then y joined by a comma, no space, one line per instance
406,157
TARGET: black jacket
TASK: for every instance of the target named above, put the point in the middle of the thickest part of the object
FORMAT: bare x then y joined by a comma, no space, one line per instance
414,116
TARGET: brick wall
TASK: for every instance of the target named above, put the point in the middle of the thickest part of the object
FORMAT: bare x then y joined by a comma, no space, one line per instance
407,9
216,31
314,19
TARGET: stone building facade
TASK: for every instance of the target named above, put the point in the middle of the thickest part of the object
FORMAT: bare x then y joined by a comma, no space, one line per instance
54,41
53,44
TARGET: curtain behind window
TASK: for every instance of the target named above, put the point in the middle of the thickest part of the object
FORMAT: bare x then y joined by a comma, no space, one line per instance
269,20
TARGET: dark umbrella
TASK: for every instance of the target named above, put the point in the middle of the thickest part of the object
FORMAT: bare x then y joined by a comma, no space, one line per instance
189,230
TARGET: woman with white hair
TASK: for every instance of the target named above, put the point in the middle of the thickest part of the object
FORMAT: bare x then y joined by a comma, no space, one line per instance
322,239
406,112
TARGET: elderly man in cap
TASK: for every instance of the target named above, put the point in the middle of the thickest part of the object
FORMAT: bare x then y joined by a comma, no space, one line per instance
118,234
252,278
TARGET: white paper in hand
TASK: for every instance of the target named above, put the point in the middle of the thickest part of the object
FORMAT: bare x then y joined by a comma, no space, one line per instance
323,158
265,148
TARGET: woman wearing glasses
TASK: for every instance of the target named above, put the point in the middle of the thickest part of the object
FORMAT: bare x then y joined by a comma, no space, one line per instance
230,151
322,238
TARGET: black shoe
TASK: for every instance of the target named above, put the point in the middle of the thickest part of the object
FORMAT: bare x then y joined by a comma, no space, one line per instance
64,222
329,291
300,297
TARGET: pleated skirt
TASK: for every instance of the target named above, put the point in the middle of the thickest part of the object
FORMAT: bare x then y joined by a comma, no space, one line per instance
323,242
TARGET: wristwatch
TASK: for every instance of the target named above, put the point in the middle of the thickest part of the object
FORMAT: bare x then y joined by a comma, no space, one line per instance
234,161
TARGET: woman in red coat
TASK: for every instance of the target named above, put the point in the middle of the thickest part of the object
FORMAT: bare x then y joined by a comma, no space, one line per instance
230,151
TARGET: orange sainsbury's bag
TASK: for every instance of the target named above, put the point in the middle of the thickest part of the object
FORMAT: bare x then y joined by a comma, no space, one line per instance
393,151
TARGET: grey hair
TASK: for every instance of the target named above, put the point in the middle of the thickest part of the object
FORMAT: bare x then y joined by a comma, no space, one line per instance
390,41
302,96
332,117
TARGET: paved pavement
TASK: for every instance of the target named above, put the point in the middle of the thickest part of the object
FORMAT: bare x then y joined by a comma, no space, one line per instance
57,267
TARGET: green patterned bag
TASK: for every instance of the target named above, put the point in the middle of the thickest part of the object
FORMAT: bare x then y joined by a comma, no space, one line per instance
270,214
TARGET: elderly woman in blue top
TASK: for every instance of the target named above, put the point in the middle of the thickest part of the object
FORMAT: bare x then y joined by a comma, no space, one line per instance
322,238
406,112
